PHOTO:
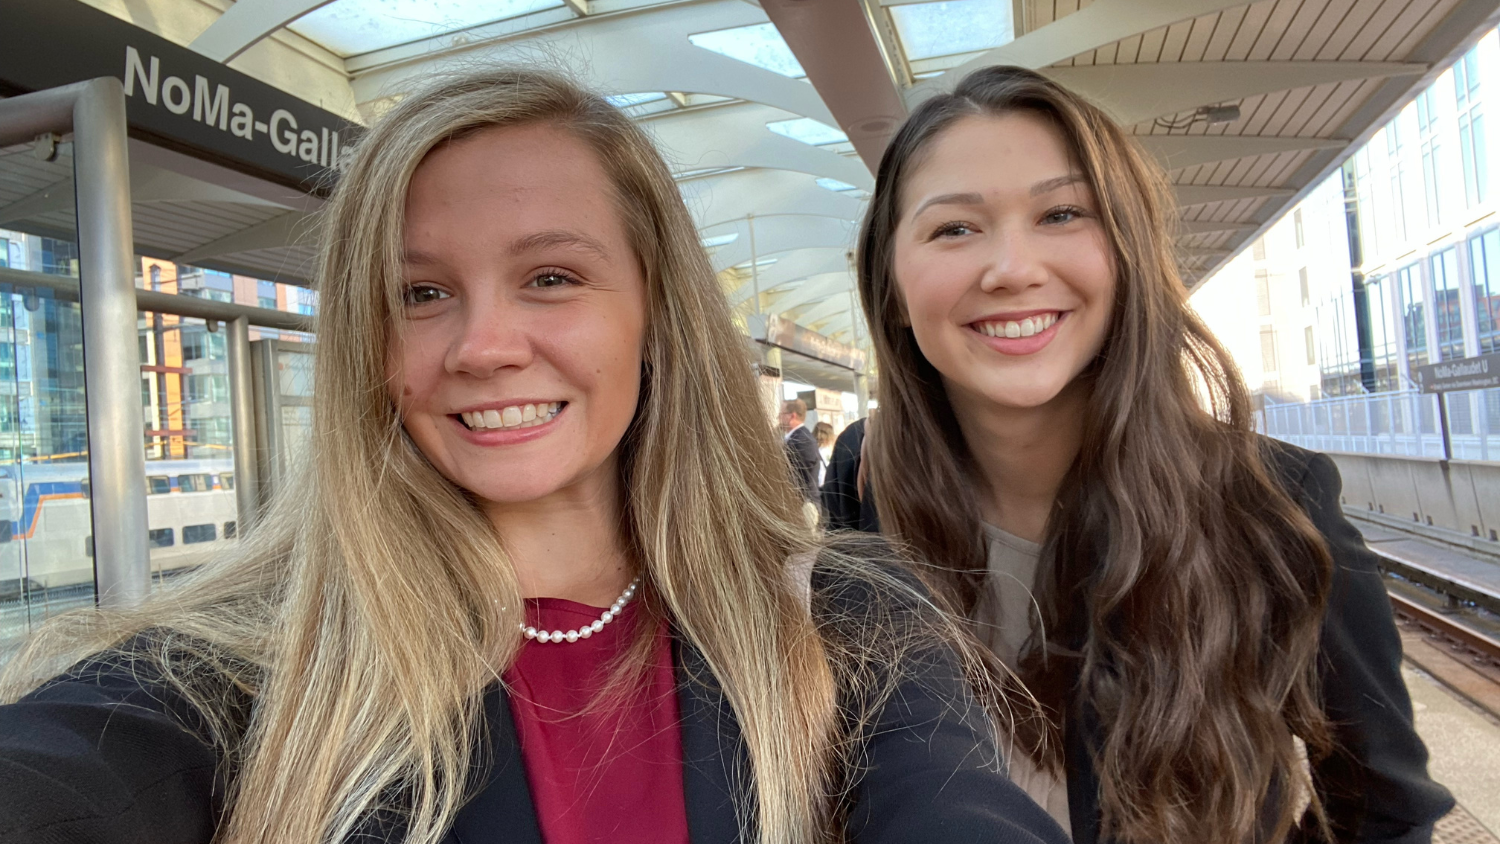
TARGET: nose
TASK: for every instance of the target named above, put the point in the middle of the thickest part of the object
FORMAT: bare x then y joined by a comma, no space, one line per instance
1017,262
493,335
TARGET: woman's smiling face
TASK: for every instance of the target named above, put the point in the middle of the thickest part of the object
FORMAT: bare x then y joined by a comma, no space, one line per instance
516,364
1003,266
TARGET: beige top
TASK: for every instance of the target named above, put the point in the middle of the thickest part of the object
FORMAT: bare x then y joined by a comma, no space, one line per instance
1003,621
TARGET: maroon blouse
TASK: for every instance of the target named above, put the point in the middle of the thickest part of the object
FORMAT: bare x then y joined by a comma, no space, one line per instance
614,773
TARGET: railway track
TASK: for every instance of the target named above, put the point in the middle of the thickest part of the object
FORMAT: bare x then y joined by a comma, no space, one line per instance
1436,639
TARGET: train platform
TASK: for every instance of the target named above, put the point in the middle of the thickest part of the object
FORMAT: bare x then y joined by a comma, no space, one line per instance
1447,561
1460,727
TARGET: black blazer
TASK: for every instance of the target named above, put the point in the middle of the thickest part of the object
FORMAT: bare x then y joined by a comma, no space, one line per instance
105,756
1375,786
846,508
802,452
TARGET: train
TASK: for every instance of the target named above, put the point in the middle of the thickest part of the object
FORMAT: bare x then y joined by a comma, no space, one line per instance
46,534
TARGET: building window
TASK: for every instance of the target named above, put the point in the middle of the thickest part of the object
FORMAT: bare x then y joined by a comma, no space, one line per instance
1471,144
1413,314
1268,350
1396,157
1263,291
1484,270
158,485
268,303
1302,284
1432,165
1445,307
1297,224
160,538
1382,332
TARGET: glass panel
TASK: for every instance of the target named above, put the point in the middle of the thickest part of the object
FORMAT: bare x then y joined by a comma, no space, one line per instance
1445,307
189,436
350,27
808,131
951,27
759,44
46,552
1413,314
1484,269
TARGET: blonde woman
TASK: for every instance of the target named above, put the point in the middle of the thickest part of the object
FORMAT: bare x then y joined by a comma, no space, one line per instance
504,604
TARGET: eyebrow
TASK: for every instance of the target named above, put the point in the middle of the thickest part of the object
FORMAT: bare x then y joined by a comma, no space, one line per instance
552,238
950,199
1051,185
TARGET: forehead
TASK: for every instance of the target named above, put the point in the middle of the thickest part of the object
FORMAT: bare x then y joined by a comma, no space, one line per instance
978,152
512,179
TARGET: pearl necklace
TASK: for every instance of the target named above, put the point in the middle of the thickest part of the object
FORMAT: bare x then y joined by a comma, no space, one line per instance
588,629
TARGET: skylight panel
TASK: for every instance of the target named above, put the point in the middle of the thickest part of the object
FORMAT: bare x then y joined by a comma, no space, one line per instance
835,185
351,27
808,131
626,100
759,44
952,27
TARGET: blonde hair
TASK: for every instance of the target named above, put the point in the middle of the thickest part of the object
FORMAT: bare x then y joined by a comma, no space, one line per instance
372,604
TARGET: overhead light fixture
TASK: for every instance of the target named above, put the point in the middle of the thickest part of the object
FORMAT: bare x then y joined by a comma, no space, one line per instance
1211,115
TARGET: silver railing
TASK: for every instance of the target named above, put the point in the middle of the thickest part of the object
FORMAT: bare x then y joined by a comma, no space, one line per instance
94,112
1401,423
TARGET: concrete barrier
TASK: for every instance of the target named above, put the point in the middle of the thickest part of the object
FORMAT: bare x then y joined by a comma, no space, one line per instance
1453,501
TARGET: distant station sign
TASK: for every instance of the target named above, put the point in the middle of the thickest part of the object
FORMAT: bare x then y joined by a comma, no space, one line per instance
174,96
1452,376
783,333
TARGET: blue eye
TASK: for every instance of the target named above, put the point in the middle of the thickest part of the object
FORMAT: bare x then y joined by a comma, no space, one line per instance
421,294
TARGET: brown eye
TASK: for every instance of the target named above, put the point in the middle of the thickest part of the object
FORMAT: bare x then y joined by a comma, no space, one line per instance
551,279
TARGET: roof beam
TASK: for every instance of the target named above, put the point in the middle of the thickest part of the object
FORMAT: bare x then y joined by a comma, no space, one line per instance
1189,195
845,62
719,200
790,268
579,7
292,228
1133,93
247,23
736,136
605,52
1102,23
775,235
814,289
1188,227
1176,152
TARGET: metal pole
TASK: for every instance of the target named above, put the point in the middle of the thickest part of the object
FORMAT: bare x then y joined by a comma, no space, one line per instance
242,420
754,263
1443,426
111,358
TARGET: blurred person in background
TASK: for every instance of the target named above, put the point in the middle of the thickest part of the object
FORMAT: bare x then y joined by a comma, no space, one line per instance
503,602
823,433
1185,597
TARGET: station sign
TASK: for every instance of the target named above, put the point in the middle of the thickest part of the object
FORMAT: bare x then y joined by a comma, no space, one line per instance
174,97
1451,376
783,333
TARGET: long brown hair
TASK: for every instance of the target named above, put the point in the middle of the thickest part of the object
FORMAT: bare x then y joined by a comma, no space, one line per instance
373,603
1181,588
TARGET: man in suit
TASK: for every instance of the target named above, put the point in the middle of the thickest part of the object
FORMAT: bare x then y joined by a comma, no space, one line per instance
801,449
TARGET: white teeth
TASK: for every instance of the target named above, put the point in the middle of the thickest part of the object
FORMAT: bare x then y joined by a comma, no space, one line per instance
1028,327
515,416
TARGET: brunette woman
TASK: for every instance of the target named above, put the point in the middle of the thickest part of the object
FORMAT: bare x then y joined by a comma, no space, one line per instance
504,604
1068,441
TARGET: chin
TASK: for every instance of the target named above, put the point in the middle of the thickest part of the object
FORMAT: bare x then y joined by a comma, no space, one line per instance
1023,396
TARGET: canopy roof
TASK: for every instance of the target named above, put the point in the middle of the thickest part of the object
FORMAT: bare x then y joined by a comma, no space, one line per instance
773,114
